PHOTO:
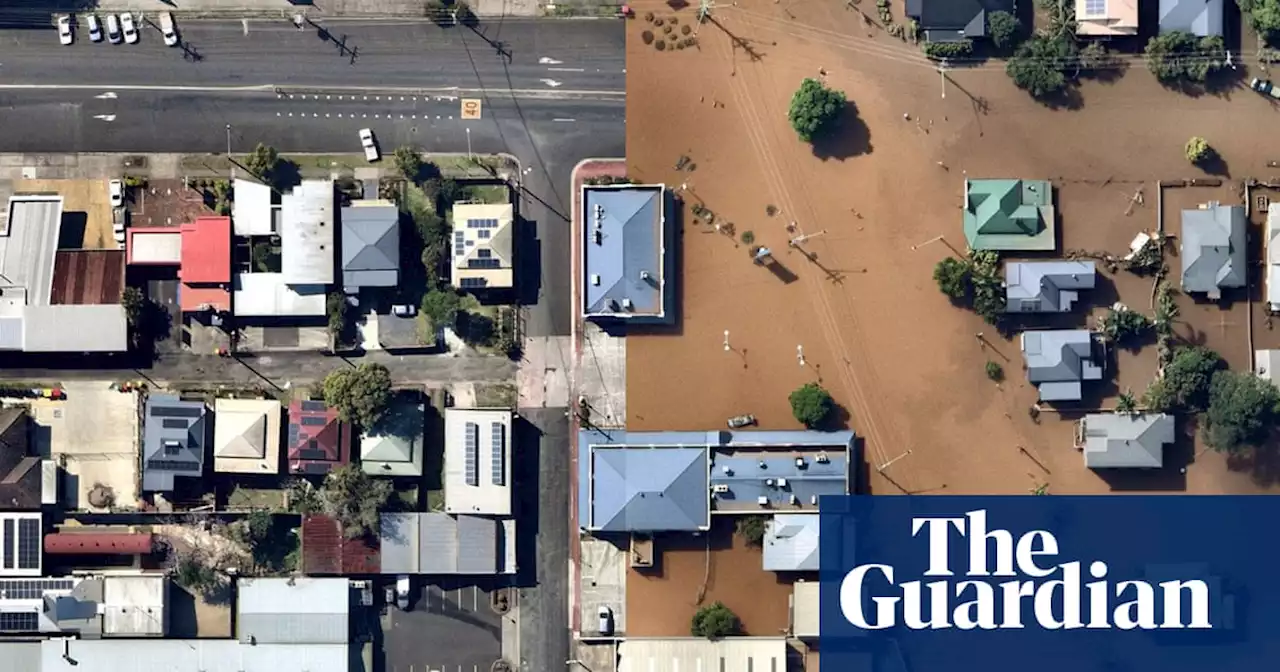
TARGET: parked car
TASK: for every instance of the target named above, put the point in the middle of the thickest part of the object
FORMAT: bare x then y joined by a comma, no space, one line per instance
95,28
65,35
113,29
606,620
130,30
370,145
1265,87
116,189
167,29
404,310
402,592
740,421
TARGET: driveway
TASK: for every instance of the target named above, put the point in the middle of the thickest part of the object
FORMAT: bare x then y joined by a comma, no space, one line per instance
451,628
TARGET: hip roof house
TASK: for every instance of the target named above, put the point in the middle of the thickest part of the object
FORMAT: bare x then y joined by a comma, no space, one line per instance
174,436
1123,441
791,543
394,447
1106,18
1009,215
21,470
955,20
1046,286
318,439
1213,249
1060,361
246,436
370,245
483,246
1198,17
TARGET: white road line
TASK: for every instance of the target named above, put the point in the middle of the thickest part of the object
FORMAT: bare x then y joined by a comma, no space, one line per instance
437,116
277,114
270,88
563,119
291,114
364,116
566,70
326,115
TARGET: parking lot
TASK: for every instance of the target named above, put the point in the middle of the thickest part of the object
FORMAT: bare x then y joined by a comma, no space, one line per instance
450,627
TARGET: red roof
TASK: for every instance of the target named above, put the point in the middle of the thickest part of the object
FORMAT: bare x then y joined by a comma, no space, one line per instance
122,543
206,251
87,277
318,439
326,551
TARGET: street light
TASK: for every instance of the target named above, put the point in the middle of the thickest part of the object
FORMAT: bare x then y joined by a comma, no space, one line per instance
233,162
726,340
469,157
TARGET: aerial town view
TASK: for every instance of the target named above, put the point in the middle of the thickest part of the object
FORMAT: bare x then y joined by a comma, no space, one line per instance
528,335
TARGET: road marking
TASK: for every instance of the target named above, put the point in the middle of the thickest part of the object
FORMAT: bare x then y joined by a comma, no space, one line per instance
270,88
105,117
437,116
364,116
566,70
550,82
564,120
375,116
106,96
326,115
278,114
548,61
401,97
329,98
291,114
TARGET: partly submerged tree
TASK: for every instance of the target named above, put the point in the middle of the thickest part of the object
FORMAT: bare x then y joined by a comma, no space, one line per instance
1198,150
752,529
811,404
263,162
1242,410
1179,56
1038,64
1123,326
1186,380
953,277
361,394
1004,29
815,109
714,621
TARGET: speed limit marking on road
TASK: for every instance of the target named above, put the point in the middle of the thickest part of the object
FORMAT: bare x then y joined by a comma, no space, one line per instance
470,108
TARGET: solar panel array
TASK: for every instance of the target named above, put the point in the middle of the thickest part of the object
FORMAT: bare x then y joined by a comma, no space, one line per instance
484,263
484,234
23,621
482,223
6,540
173,465
32,589
175,412
473,283
472,453
313,421
29,543
459,243
317,406
498,471
174,423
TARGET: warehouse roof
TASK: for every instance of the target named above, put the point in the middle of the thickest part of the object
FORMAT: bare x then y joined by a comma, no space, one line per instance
306,233
293,610
441,544
204,655
477,461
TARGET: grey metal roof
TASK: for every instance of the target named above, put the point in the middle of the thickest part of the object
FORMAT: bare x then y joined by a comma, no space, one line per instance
370,246
444,544
75,328
791,543
630,242
1213,249
293,610
306,236
187,655
28,244
1059,361
650,489
1123,440
174,436
1046,286
395,446
1198,17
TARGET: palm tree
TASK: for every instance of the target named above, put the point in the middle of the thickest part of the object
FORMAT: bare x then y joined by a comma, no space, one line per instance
1127,403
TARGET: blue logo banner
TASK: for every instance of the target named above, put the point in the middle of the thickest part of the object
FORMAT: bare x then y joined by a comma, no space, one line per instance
1049,584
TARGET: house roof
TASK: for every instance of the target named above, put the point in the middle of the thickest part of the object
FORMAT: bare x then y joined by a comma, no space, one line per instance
318,439
1123,440
477,461
624,251
951,20
1273,257
246,436
194,298
173,440
1106,17
649,489
306,233
271,295
325,550
252,211
791,543
206,251
370,244
483,245
1213,249
1009,215
1198,17
395,446
293,610
20,470
99,543
1046,286
442,544
1059,361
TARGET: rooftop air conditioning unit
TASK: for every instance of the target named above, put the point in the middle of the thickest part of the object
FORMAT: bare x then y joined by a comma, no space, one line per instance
822,458
719,488
768,482
626,304
782,482
764,465
813,499
728,471
598,238
794,500
595,279
644,275
599,211
762,500
799,463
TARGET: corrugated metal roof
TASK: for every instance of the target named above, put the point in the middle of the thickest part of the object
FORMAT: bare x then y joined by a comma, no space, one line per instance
804,609
441,544
325,551
631,242
293,611
154,245
307,251
270,295
370,244
684,654
489,493
206,251
20,657
791,543
121,543
27,250
185,655
251,210
102,328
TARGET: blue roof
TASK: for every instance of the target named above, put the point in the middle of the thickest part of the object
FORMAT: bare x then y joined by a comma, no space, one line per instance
649,489
748,474
625,246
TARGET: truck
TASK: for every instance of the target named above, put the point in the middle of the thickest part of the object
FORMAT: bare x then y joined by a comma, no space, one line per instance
1265,87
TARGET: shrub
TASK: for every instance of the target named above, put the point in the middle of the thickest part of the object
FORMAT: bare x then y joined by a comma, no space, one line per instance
1036,66
953,277
752,529
1123,326
648,16
1004,29
811,404
748,237
713,621
815,109
941,50
660,45
685,30
1127,403
994,371
666,30
1198,150
647,36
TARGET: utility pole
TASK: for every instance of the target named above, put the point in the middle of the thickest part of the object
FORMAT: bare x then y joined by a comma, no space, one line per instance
888,464
704,12
233,162
942,72
795,242
469,156
726,341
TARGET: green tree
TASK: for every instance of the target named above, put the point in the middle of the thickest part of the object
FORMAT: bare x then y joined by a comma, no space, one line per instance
752,529
811,404
447,192
815,110
1186,380
714,621
196,576
339,312
132,301
1004,29
954,277
266,257
441,306
1124,326
356,499
1242,411
1095,56
995,371
409,163
1179,56
1127,403
361,394
1264,16
1198,150
943,50
1037,66
263,162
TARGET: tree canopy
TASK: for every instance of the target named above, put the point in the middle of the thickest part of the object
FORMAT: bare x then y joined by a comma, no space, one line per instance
1179,56
815,109
714,621
1004,29
263,162
811,404
1198,150
752,529
953,277
1264,16
360,394
441,306
1242,410
1037,65
356,499
1124,326
409,163
1186,381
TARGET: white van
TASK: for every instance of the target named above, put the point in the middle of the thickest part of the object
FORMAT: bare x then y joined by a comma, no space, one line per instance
113,29
95,28
166,27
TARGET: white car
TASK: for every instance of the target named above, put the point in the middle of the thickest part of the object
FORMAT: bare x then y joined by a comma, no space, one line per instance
116,189
64,30
130,30
166,28
95,28
370,145
113,29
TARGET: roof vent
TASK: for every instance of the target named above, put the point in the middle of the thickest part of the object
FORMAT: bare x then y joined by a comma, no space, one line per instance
768,482
598,237
794,500
782,482
727,470
822,458
813,499
595,279
644,275
626,304
800,463
762,500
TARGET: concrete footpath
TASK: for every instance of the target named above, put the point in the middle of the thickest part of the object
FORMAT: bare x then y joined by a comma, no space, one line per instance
319,9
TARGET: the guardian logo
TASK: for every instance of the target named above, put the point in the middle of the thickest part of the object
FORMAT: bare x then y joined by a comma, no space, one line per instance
1051,594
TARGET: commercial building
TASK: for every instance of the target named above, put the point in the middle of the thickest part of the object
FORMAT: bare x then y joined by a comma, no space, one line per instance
306,234
477,461
627,258
1214,238
115,605
326,551
791,543
1059,362
66,654
153,246
483,246
206,265
270,295
174,435
1272,254
253,210
805,609
682,654
246,436
438,544
293,611
318,440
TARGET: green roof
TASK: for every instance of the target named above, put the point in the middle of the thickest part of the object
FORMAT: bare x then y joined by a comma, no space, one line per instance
1009,215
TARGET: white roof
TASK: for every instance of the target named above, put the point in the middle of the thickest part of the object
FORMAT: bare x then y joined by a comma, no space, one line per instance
682,654
134,605
270,295
293,610
306,236
1265,364
804,609
156,246
246,436
251,210
75,328
1273,256
188,655
479,483
28,244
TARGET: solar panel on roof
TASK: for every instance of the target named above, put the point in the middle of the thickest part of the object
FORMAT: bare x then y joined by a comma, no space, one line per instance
313,421
498,470
472,283
6,540
314,406
483,263
483,234
293,435
173,465
19,621
29,539
174,423
471,453
484,254
175,412
312,454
